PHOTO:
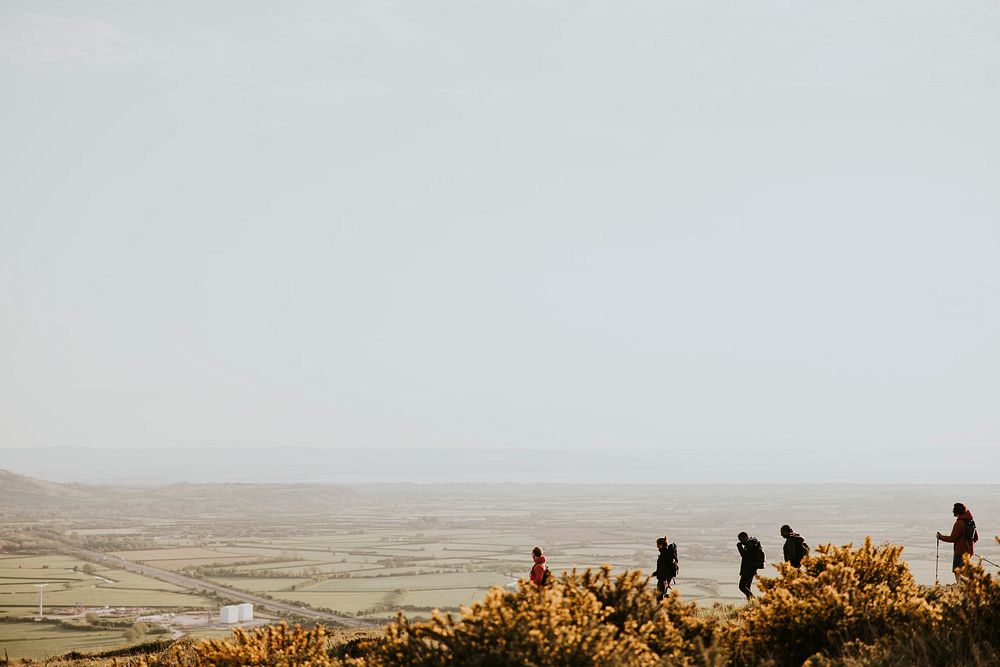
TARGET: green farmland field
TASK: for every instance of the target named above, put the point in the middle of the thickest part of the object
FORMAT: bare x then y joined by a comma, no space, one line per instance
42,640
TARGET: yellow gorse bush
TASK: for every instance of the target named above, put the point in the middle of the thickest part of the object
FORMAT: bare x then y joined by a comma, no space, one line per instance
971,610
273,646
840,595
588,618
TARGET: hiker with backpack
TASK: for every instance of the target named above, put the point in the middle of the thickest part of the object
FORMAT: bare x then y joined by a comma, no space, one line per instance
963,536
795,547
751,560
540,574
667,566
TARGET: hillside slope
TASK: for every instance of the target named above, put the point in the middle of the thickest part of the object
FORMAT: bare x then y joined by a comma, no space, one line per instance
26,495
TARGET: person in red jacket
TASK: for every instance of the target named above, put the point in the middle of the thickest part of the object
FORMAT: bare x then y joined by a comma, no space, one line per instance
539,571
963,536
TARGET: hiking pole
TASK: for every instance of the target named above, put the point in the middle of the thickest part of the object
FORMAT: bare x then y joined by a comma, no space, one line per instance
981,559
937,558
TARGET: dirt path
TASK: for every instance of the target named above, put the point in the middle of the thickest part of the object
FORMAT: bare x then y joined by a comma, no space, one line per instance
200,584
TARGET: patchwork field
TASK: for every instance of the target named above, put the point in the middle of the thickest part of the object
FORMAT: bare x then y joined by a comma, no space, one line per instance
40,640
416,548
181,557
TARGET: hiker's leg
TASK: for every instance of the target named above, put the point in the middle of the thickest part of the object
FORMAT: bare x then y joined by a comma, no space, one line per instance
745,581
956,562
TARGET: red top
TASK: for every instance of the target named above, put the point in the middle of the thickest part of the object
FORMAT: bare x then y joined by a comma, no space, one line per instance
957,537
538,570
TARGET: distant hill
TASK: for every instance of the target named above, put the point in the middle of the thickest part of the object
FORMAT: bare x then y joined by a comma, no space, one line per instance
19,490
29,495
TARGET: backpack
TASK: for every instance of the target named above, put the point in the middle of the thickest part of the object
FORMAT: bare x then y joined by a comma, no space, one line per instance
802,548
970,530
756,551
674,562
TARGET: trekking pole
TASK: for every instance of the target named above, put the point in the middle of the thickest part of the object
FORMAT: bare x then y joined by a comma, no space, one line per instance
981,559
937,557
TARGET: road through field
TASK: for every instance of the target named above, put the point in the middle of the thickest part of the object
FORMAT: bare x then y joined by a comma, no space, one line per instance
200,584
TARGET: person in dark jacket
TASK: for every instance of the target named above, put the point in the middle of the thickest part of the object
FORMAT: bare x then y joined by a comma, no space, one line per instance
795,547
751,560
963,536
666,565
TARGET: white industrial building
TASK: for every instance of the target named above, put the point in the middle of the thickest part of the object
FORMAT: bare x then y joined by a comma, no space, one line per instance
235,613
229,614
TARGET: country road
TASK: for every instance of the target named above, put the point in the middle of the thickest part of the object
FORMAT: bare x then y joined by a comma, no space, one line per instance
200,584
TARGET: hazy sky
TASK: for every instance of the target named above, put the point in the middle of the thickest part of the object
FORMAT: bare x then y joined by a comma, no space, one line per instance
697,225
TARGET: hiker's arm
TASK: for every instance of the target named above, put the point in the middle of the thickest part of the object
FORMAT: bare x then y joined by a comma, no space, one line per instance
661,569
956,532
739,547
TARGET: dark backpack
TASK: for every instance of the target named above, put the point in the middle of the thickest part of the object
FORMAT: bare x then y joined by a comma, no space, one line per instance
674,562
756,552
970,530
801,548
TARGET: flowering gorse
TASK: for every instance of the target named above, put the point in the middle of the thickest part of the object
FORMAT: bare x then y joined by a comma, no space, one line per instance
588,618
839,595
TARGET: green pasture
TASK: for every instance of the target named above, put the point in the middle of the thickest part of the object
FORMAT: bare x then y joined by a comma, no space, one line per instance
31,639
259,585
297,568
270,550
442,598
460,580
344,602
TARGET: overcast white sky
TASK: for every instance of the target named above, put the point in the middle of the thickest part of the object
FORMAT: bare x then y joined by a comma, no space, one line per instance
649,225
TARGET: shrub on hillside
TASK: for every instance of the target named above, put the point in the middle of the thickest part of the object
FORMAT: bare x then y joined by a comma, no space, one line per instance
582,619
840,596
273,646
967,633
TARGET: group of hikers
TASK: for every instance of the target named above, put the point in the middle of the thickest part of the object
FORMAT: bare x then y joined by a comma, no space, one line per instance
963,537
